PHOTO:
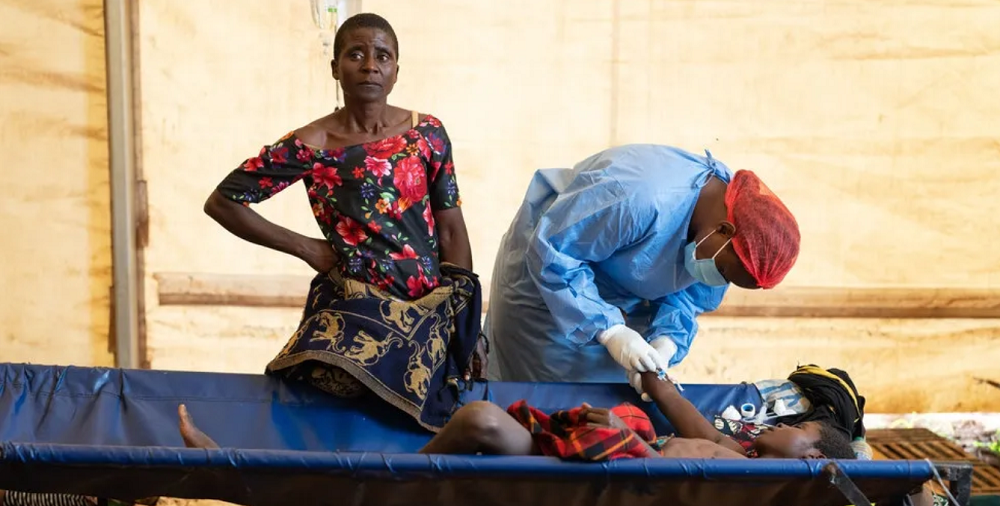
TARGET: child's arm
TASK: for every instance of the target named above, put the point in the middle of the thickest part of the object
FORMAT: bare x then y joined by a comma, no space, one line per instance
688,421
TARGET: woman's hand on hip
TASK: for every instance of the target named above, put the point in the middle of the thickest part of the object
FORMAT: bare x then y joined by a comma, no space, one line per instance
318,253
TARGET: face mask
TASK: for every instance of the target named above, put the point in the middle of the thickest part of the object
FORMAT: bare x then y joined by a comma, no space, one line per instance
703,270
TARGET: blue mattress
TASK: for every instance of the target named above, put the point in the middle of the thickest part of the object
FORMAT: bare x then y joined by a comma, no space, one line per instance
113,433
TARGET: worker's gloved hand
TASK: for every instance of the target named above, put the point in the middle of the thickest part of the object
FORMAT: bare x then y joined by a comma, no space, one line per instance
665,347
630,350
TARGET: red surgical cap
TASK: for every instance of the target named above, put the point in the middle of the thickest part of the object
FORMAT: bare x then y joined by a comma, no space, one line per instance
767,235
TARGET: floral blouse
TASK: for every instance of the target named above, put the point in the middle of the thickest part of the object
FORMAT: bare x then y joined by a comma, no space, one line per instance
374,202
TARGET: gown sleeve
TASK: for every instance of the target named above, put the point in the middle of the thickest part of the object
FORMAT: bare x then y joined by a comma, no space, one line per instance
579,230
676,315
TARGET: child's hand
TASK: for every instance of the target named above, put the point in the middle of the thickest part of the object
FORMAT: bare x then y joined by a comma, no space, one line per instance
655,387
601,417
635,381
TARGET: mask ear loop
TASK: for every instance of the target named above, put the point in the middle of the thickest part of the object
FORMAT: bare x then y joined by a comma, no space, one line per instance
722,248
703,239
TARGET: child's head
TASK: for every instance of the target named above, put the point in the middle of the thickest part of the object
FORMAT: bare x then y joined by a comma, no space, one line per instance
807,440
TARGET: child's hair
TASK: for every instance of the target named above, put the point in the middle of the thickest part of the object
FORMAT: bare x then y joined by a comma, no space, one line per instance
833,443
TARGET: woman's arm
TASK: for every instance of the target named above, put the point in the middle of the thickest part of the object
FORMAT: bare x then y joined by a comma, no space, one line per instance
454,248
453,237
278,166
444,202
246,224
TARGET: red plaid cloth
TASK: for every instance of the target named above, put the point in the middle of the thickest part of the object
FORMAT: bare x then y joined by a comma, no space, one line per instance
563,434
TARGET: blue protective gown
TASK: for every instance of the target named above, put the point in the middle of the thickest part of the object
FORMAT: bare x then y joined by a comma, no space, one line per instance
588,246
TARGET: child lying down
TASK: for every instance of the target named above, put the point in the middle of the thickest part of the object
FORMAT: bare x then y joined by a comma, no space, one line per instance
598,434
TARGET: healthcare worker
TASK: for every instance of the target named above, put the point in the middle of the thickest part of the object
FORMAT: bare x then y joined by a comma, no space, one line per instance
607,265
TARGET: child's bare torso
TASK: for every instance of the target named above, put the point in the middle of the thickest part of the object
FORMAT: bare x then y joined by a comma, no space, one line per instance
680,448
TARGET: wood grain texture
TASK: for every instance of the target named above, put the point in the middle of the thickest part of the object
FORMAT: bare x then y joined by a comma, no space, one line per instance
187,289
838,302
55,257
873,121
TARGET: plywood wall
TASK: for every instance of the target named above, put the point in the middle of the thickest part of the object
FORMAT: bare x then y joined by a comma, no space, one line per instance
218,80
874,121
55,253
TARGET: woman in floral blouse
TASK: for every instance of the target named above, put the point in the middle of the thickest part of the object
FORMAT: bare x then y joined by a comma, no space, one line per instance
380,179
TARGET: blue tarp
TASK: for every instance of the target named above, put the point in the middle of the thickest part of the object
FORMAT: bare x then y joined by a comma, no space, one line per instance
113,433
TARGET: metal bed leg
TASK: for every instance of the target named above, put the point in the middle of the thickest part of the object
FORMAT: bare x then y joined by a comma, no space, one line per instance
959,476
844,484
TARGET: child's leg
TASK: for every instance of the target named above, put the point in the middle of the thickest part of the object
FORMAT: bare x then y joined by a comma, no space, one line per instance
482,427
478,427
192,435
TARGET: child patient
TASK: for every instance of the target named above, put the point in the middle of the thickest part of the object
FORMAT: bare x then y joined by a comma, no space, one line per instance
588,433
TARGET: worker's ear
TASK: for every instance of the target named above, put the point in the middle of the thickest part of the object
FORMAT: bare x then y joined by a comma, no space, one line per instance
727,229
333,69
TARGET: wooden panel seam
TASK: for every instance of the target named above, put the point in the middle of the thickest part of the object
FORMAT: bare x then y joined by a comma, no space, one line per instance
202,289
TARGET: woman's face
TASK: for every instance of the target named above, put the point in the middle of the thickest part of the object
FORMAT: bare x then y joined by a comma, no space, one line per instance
366,68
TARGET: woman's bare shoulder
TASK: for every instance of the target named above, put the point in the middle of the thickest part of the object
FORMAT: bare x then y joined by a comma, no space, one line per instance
314,134
406,114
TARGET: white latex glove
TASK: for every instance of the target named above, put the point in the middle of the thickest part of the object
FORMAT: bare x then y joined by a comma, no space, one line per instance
635,379
630,350
665,347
